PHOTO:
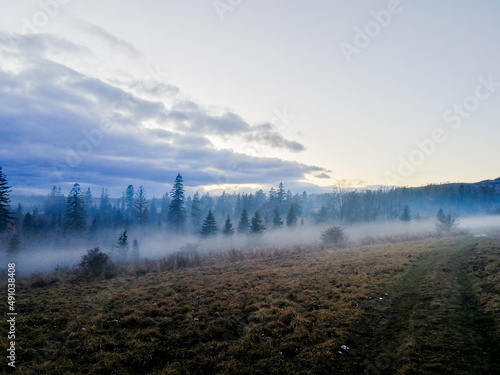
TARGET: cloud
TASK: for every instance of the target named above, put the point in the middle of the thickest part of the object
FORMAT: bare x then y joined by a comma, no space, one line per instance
264,134
112,41
322,175
197,119
59,126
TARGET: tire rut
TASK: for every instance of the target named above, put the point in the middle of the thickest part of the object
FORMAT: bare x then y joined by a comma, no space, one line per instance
434,324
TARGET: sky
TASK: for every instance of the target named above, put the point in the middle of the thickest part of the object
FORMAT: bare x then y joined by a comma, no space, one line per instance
239,94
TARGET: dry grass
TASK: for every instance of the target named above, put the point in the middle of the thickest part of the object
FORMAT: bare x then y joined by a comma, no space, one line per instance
274,311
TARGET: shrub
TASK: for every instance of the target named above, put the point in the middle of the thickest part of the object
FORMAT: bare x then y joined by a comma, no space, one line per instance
96,263
42,280
446,223
334,236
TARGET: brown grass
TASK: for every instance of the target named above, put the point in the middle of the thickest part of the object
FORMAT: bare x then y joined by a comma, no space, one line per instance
273,311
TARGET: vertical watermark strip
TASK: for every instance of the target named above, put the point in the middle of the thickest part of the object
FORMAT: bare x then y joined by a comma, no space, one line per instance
11,314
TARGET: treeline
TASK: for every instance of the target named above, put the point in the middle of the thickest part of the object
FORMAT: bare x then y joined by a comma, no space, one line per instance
81,215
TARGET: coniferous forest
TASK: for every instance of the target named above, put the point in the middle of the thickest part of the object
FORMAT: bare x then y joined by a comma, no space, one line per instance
61,218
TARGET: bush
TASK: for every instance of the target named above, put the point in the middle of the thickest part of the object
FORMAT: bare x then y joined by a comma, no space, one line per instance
446,223
334,236
42,280
96,263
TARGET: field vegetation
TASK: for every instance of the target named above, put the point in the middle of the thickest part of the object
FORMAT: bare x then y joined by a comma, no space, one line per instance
422,306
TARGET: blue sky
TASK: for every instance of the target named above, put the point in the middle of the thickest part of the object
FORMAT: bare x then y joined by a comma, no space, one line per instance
248,93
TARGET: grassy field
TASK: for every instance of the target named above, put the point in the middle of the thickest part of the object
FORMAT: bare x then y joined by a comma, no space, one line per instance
417,307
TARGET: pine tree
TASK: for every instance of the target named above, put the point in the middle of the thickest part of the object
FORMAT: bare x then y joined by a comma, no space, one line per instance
88,200
405,215
140,206
209,227
280,197
228,229
291,217
75,214
256,226
153,211
6,218
177,211
129,202
277,221
122,247
244,222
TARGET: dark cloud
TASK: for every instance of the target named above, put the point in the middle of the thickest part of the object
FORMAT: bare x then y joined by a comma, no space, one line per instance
196,119
264,134
59,126
322,175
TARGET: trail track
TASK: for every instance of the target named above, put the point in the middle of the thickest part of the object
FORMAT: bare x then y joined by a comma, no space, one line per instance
434,324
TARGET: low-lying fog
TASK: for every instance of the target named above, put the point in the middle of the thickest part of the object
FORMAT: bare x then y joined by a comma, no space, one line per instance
157,245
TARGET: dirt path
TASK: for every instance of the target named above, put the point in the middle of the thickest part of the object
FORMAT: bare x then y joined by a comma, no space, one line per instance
434,325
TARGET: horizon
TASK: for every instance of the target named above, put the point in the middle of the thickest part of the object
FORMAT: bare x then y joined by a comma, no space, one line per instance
190,190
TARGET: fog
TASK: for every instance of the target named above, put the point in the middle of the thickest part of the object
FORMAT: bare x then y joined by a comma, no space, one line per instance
158,244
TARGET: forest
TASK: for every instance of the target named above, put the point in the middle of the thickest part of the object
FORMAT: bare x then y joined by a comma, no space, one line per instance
58,219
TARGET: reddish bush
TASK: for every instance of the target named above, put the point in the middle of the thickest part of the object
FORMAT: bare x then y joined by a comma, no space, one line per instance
334,236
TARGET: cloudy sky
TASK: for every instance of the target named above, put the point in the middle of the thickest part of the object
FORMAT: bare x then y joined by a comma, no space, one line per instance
247,93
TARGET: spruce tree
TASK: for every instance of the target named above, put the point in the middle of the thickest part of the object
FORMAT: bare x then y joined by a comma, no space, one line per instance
244,222
153,211
88,200
256,225
177,211
209,227
122,247
6,218
291,217
75,214
104,205
129,202
228,229
277,221
140,206
280,197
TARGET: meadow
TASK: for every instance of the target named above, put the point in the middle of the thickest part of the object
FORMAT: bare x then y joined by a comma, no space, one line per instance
419,306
